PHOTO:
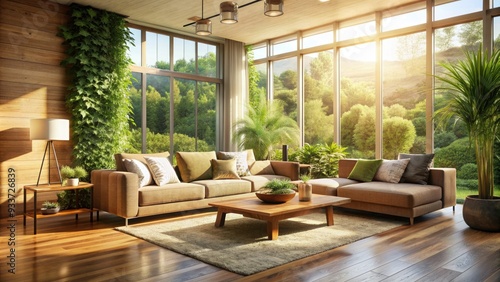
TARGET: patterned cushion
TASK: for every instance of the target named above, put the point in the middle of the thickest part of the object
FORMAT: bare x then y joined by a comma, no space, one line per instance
391,170
224,169
241,161
140,169
162,170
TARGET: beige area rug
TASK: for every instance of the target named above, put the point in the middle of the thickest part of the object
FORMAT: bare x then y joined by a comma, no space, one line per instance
241,246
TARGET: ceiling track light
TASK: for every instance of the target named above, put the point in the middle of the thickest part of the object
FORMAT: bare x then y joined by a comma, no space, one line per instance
272,8
203,26
228,12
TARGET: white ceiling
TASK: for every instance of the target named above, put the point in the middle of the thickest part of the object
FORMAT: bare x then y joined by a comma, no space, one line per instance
253,25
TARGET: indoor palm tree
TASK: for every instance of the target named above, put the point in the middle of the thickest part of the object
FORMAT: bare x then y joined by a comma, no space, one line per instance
263,127
474,88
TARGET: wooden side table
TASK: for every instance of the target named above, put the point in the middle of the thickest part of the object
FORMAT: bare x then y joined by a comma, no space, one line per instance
57,187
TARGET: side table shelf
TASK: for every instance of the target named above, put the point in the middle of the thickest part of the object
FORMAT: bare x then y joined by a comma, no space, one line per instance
36,214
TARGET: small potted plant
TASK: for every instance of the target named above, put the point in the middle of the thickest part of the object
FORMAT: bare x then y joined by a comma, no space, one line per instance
50,207
305,188
276,191
71,176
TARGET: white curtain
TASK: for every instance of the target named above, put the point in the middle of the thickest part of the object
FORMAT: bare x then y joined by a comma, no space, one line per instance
235,94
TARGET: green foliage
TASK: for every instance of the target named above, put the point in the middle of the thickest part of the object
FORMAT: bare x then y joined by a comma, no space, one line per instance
399,135
67,199
456,155
278,186
418,145
50,205
444,139
467,171
467,184
473,86
70,172
323,158
96,44
263,127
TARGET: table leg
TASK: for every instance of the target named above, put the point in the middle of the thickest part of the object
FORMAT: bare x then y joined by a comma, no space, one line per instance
24,204
221,218
34,213
329,215
92,204
272,229
76,202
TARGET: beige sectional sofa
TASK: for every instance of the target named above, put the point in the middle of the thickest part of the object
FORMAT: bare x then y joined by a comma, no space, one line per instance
119,191
400,199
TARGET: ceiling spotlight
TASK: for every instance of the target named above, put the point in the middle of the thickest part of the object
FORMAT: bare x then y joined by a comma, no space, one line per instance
203,26
228,12
273,8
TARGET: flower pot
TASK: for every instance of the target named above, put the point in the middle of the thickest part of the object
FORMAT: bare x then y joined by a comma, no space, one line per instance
275,198
482,214
72,181
50,210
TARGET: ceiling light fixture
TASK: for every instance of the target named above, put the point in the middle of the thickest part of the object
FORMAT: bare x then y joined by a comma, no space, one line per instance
228,12
203,26
273,8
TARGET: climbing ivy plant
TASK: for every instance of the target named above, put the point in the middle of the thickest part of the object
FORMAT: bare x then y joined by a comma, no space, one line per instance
98,99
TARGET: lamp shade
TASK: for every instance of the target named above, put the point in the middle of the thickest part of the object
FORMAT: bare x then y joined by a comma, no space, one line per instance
273,8
204,27
228,12
49,129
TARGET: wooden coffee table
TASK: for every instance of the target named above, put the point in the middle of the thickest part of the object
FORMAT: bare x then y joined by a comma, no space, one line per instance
272,213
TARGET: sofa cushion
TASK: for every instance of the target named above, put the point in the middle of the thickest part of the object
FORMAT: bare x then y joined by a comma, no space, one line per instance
120,166
261,168
162,170
219,188
404,195
241,161
170,193
391,170
224,169
328,186
140,169
365,170
195,165
417,170
259,181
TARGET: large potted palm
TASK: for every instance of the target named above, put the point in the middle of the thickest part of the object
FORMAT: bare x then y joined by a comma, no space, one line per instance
474,88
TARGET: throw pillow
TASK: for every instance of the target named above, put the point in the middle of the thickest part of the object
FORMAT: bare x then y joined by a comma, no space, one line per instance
140,169
241,161
417,170
195,165
365,170
391,170
163,172
120,165
262,168
224,169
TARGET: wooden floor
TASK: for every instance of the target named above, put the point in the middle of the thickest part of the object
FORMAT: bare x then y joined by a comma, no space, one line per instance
439,247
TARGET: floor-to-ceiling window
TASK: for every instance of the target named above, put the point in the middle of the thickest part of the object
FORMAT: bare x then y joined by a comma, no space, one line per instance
174,92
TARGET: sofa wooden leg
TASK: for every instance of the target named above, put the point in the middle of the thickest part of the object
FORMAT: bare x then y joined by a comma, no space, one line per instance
411,220
126,222
453,209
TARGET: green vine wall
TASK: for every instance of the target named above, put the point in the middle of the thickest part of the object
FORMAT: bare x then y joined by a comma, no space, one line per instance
98,99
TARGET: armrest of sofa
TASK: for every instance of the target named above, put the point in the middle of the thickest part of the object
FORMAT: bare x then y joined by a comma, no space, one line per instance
288,169
116,192
447,179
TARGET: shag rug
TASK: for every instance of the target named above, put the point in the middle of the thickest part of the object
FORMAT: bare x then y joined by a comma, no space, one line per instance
241,246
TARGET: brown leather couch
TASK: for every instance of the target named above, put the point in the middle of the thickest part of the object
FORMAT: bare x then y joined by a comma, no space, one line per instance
399,199
118,192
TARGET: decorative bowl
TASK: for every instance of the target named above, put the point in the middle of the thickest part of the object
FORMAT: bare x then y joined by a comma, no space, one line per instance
275,198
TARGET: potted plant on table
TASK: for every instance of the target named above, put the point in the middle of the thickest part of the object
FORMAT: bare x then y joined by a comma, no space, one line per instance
50,207
474,87
71,176
276,191
305,188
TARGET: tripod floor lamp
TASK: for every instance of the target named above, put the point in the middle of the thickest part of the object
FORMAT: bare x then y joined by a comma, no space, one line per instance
50,130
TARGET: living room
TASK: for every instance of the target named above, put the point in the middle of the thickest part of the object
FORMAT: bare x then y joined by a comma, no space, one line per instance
33,84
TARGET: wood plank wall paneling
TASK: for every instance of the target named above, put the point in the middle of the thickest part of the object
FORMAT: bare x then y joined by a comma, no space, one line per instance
32,85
